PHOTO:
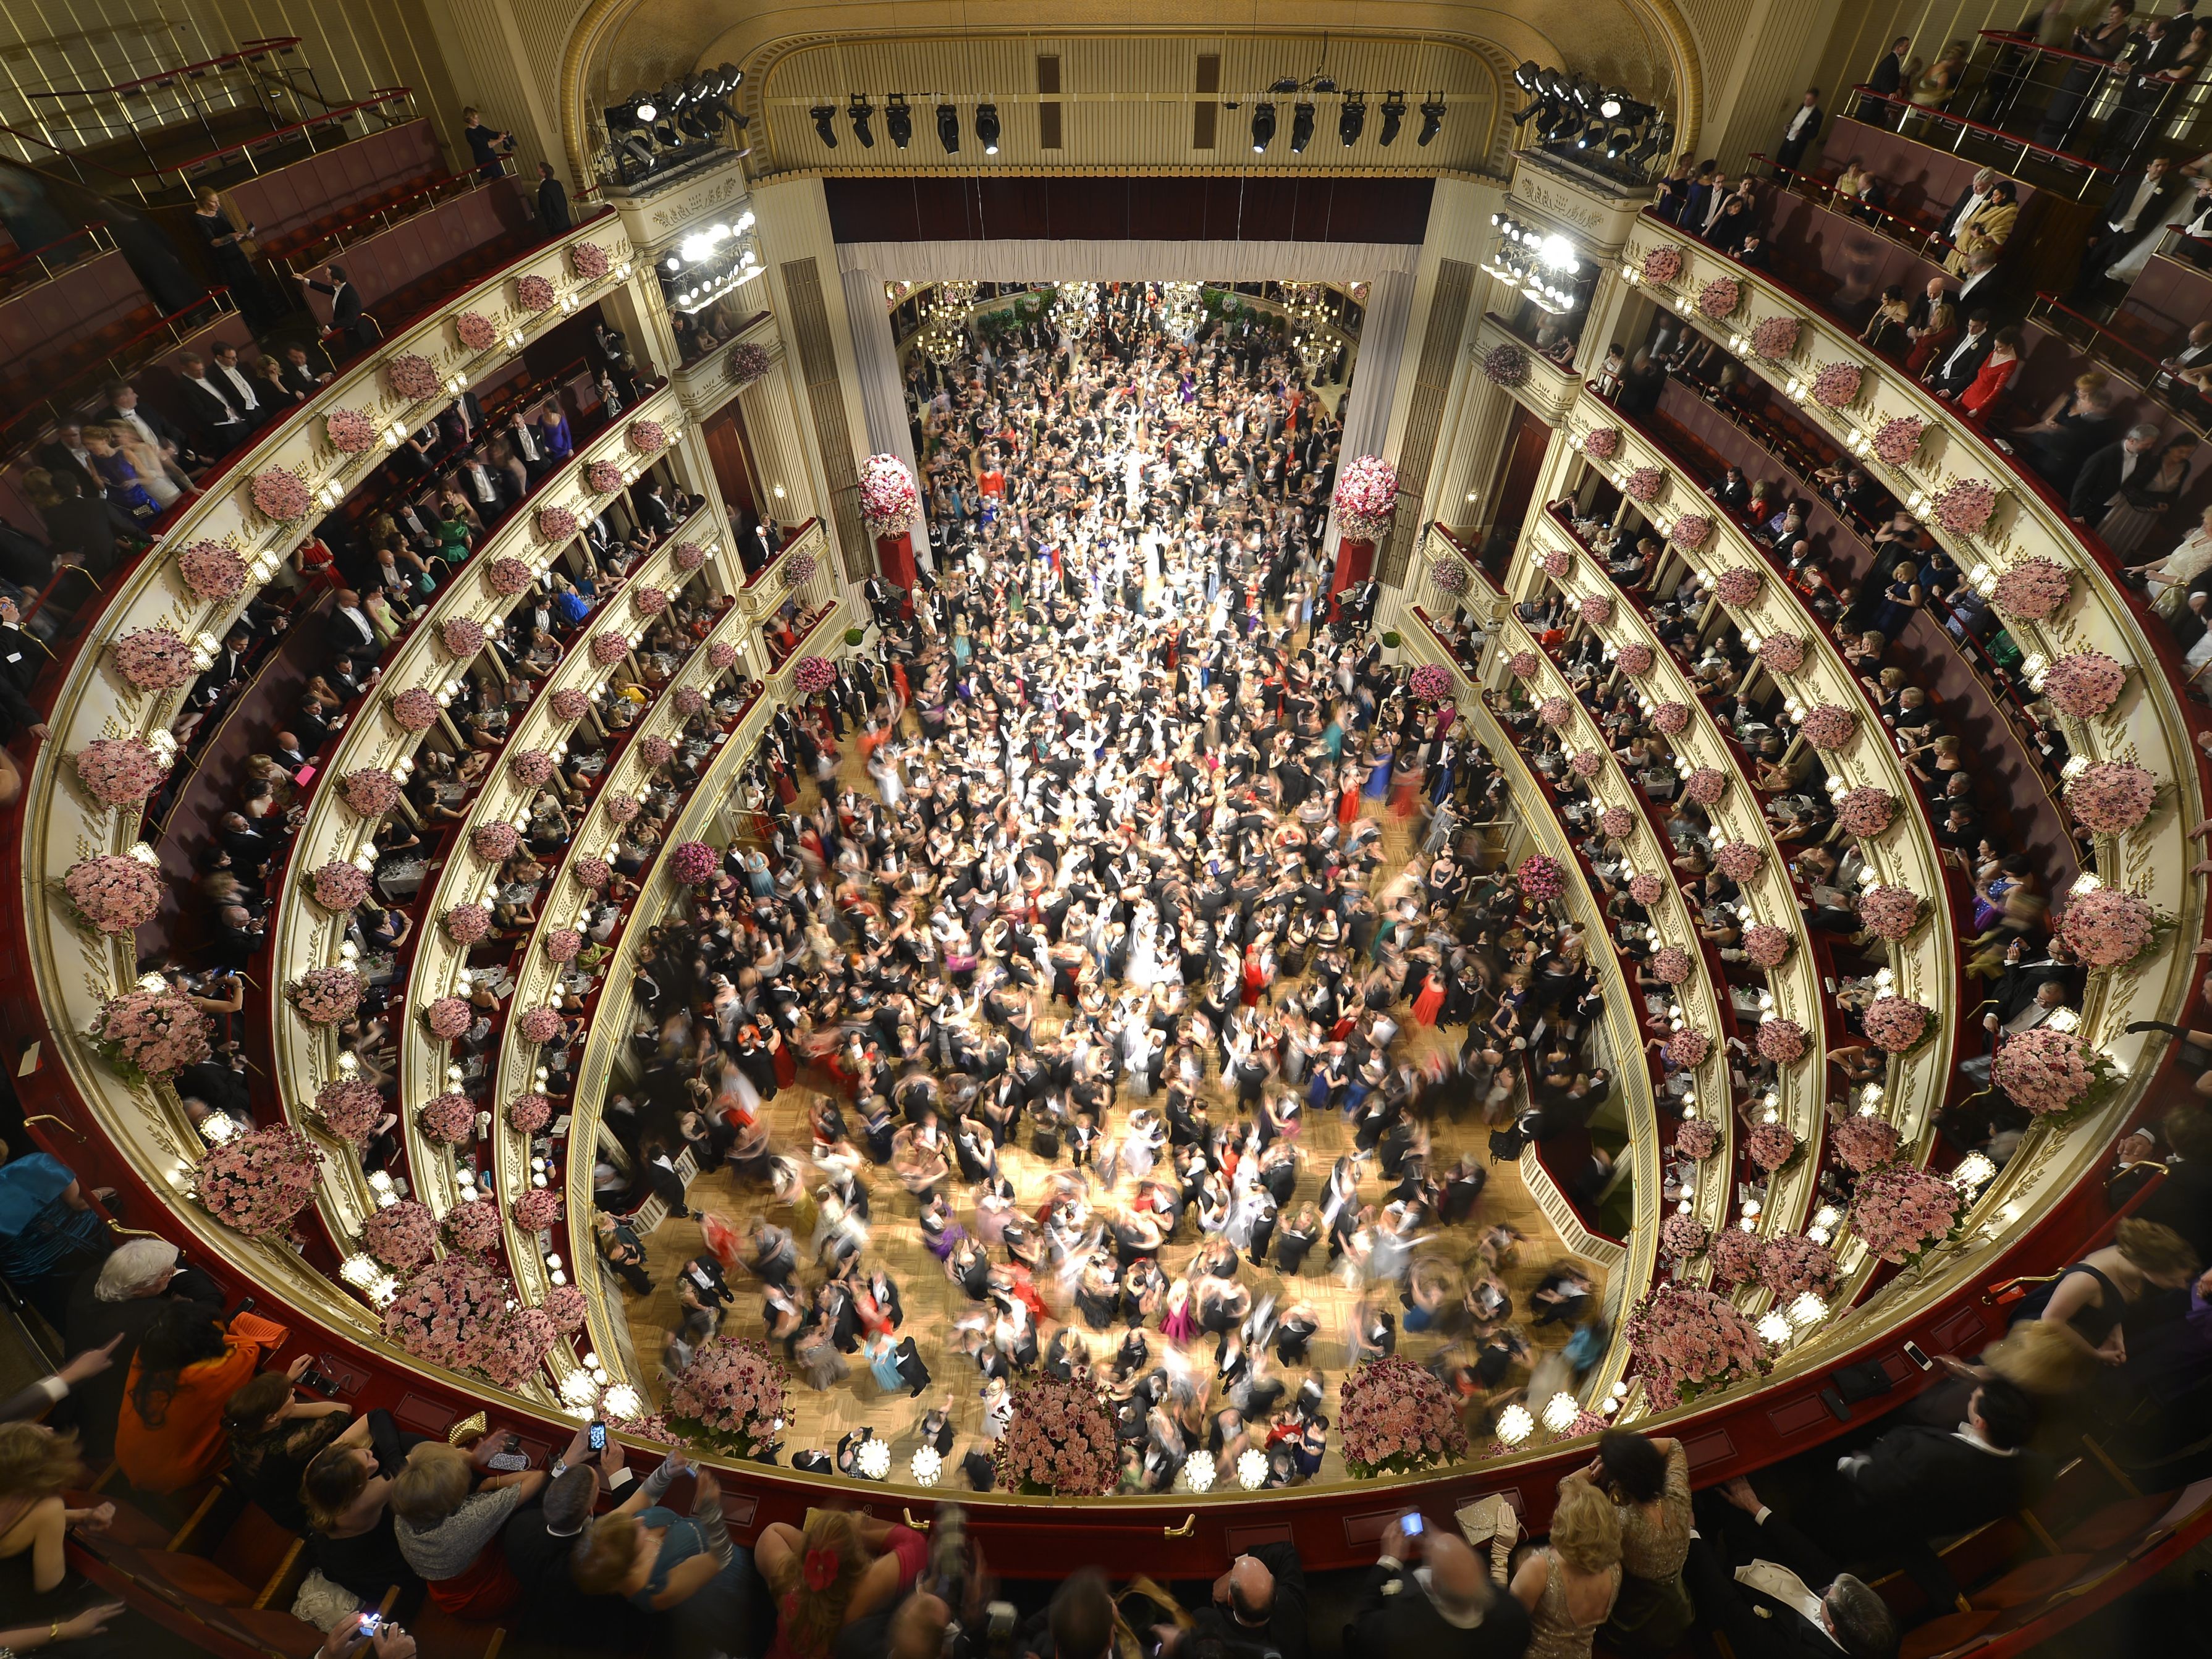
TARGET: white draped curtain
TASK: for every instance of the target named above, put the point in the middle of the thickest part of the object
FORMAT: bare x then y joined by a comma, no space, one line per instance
1366,410
883,393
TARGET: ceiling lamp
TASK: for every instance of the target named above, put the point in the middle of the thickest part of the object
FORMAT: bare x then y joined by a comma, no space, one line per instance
986,127
1393,117
1075,308
948,128
1263,127
1182,308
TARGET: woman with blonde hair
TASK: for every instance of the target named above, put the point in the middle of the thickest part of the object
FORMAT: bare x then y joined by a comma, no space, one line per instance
451,1534
2093,1294
663,1562
37,1466
1569,1584
843,1568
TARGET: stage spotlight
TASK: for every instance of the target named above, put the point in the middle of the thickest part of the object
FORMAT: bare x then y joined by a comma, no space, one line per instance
1284,83
1530,111
673,94
1393,117
862,112
1526,77
1352,119
1556,83
1301,125
824,117
948,128
1432,120
986,127
1611,103
1263,127
646,109
1622,139
1592,134
898,119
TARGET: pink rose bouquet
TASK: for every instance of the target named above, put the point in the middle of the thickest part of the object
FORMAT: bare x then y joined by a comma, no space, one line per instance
1670,964
1774,337
693,862
536,1210
448,1018
467,924
748,362
1965,504
113,893
720,654
1894,1024
1663,264
1733,1257
1596,609
1862,1142
453,1313
472,1227
507,576
1897,440
1784,653
1697,1138
1738,586
1616,823
1686,1340
1782,1041
212,570
1541,878
493,842
2108,926
527,1114
280,493
689,701
813,675
1681,1236
1837,384
1900,1212
2031,590
1692,529
1890,913
413,709
1636,659
622,808
648,600
448,1120
154,659
2048,1071
655,750
1506,364
1645,483
1705,786
688,556
608,649
339,885
1827,725
565,1306
888,498
1766,945
120,771
1739,860
1603,443
591,874
151,1034
648,437
1688,1047
604,477
402,1236
1769,1145
258,1181
1671,719
563,944
530,766
1586,762
590,260
1524,665
734,1395
325,996
1556,562
2083,683
1790,1265
350,1109
1556,711
462,636
1395,1418
1449,575
539,1025
556,525
1720,297
569,704
1646,889
1366,497
411,376
2112,797
475,330
533,293
1866,810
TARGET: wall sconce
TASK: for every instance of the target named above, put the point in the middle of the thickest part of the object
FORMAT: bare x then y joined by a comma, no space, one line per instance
1560,1412
1807,1310
1773,1328
1515,1424
2064,1020
457,384
567,302
1974,1171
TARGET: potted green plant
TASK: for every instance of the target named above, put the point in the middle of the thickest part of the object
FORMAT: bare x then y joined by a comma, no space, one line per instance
854,635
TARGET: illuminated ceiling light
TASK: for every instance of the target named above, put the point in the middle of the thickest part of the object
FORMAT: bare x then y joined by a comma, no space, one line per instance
927,1466
986,127
647,109
1515,1424
1560,1412
1263,127
1251,1468
1974,1170
825,117
1198,1471
1774,1328
1432,120
1393,117
1808,1310
1527,76
1302,127
1352,119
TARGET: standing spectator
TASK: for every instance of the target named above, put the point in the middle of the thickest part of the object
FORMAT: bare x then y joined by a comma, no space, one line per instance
552,202
1888,77
48,1231
487,146
348,319
1569,1586
1797,137
1445,1608
117,1301
2134,212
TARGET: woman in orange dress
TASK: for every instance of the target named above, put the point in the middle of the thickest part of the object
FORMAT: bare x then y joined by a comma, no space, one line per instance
171,1430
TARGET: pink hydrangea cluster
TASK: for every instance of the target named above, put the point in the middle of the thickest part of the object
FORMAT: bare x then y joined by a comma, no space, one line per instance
1688,1048
448,1120
688,700
1900,1211
120,771
735,1394
648,437
1596,609
473,1227
536,1210
539,1025
151,1033
453,1313
2107,926
1636,658
529,768
565,1306
813,675
1524,665
523,1338
1506,363
1865,810
1449,575
448,1018
462,636
1862,1142
1837,384
569,704
748,362
798,569
655,750
475,330
688,556
1646,889
2031,590
1366,496
1644,483
1720,297
1894,1024
590,260
1829,725
2112,797
563,944
1616,823
1784,653
1965,504
593,874
1681,1236
1603,443
608,649
1738,586
1692,529
621,807
466,924
1781,1041
1739,860
1775,337
604,477
507,576
1889,912
527,1114
2083,683
1704,786
1766,945
154,659
693,862
113,893
1395,1418
1542,878
1556,711
350,1109
1586,762
325,996
1670,964
412,376
888,497
2045,1071
1671,719
402,1236
493,842
258,1181
533,293
1769,1145
1734,1256
1663,264
339,886
1790,1265
372,791
556,525
212,570
720,654
648,600
1697,1138
280,494
1555,563
1897,440
413,710
1686,1339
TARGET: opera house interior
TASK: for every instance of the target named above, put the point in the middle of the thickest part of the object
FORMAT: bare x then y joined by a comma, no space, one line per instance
1549,669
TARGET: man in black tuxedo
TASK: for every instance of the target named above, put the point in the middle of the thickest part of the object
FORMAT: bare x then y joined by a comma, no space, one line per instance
126,407
64,455
1456,1612
1954,371
20,659
1772,1591
217,428
2137,205
552,202
350,630
1804,126
347,320
1889,76
653,510
2108,468
1926,1483
249,397
1986,286
115,1301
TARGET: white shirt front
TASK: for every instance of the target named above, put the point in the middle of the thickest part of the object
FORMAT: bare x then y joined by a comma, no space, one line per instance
229,415
2145,191
1797,123
1960,349
1768,1578
242,382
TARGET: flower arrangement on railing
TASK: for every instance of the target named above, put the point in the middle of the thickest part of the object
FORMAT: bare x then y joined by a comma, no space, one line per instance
120,771
149,1035
1540,877
413,709
1449,575
608,649
1770,1146
1837,384
687,557
720,654
2112,797
1555,563
798,570
813,675
447,1120
621,807
466,924
1671,965
324,996
1688,1048
648,436
648,600
602,477
539,1025
256,1182
1889,912
1705,786
1602,443
455,1312
350,1109
1692,529
1862,1141
1506,364
1865,811
692,862
2050,1073
1644,483
565,1306
1782,1041
1429,684
1775,337
1616,823
528,1113
556,525
1733,1258
2109,927
1895,1025
1524,665
568,703
1766,945
748,361
2031,590
563,944
462,636
1791,1266
1697,1138
412,376
1663,264
590,260
888,498
2083,683
1671,719
1646,889
656,751
1829,725
689,701
1897,440
402,1236
448,1018
472,1227
591,874
1396,1418
509,576
734,1396
1738,586
1595,609
339,886
1636,659
475,330
113,893
493,841
280,495
154,659
1720,297
350,432
1556,711
533,293
1784,653
1366,498
1681,1236
536,1210
1900,1212
530,766
213,570
1964,505
1739,860
1686,1340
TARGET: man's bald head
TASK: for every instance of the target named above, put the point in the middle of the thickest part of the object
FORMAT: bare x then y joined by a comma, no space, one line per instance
1456,1577
917,1629
1251,1590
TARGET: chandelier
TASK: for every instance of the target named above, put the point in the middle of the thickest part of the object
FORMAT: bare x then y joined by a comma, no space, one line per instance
1305,304
944,334
1075,308
1181,306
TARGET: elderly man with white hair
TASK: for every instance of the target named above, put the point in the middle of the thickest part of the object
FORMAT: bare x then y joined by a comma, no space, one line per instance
113,1303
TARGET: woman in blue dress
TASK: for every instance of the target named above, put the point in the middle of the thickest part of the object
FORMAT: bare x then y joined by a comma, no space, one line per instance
682,1565
49,1231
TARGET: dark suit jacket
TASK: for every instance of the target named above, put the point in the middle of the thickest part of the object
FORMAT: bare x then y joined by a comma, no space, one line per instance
1285,1629
347,634
217,425
2099,477
1889,74
1395,1618
1757,1627
552,1608
156,422
2021,980
1788,150
1962,372
345,302
2123,193
552,207
1928,1483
